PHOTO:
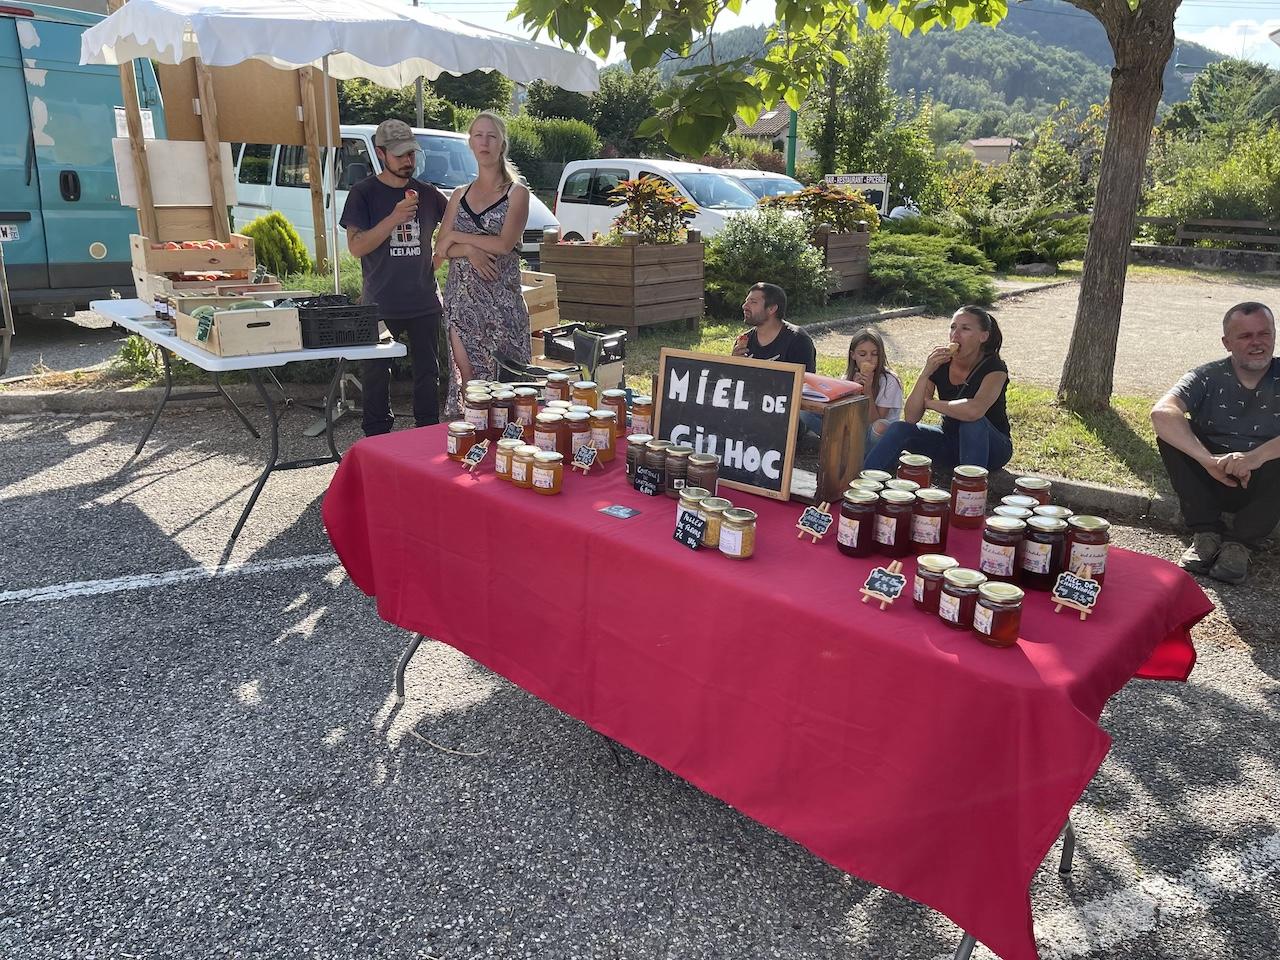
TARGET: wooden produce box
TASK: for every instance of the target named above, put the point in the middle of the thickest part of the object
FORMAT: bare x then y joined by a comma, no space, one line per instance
539,291
237,260
608,375
149,286
237,333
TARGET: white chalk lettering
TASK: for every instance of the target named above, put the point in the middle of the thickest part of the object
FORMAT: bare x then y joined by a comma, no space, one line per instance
679,387
702,386
751,459
780,404
769,465
679,434
733,453
720,398
738,402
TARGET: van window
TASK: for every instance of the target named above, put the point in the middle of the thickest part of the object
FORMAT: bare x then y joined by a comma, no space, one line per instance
603,184
255,166
717,191
446,162
647,175
353,156
292,170
577,187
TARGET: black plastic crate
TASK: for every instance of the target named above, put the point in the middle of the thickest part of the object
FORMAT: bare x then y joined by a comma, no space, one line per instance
332,320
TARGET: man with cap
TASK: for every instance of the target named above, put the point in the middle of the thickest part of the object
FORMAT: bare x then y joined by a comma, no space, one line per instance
390,219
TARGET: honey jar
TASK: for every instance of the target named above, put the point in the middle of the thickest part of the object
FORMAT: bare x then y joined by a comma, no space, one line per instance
1017,513
712,509
579,408
1035,487
677,469
738,533
475,411
875,486
856,531
502,458
879,476
585,392
931,520
616,400
926,589
908,485
997,616
1018,500
642,415
548,472
691,501
1088,540
635,452
893,522
704,471
526,405
546,430
959,596
916,468
1043,551
968,496
578,428
476,386
522,465
604,433
556,388
502,411
1001,547
557,406
1050,510
462,437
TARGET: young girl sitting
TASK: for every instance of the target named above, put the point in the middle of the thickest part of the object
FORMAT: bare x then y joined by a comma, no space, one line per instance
867,366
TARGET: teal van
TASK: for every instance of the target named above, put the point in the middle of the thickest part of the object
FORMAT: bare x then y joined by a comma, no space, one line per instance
65,235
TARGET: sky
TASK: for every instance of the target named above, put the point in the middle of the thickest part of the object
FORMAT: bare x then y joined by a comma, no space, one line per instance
1235,27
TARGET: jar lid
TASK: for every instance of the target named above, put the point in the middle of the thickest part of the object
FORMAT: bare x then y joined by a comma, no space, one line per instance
614,393
970,472
525,392
1051,510
558,377
580,408
1018,513
1032,483
898,497
704,459
936,562
509,443
474,384
638,439
505,395
548,456
1018,500
604,414
642,400
694,493
739,515
878,475
662,445
574,416
875,486
964,577
558,405
1089,524
548,417
477,396
1005,524
933,495
585,385
858,495
914,460
526,450
678,450
1047,524
908,485
715,504
461,426
1000,592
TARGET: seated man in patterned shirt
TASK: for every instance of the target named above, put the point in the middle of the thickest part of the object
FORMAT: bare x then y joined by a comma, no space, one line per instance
1218,431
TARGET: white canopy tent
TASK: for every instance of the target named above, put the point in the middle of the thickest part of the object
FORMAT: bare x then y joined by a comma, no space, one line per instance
390,43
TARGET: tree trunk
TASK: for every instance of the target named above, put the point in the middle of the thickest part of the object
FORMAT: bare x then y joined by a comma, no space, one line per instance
1142,43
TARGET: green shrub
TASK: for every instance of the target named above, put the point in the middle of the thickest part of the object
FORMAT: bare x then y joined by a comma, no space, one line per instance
763,245
350,279
844,210
1007,235
277,245
524,142
920,269
566,140
921,244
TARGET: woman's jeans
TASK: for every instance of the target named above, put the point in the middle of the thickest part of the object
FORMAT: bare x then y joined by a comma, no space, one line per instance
956,442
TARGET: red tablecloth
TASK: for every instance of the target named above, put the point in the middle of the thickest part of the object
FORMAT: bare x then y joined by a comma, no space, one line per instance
898,749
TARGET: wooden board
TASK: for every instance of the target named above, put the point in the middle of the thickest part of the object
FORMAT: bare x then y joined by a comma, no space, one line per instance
178,173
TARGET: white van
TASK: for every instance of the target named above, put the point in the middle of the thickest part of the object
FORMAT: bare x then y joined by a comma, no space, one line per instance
276,178
584,207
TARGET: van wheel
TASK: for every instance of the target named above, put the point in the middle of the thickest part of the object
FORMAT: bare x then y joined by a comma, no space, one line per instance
575,237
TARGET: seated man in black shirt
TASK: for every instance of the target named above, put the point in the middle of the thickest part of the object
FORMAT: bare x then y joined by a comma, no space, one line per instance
770,336
1218,431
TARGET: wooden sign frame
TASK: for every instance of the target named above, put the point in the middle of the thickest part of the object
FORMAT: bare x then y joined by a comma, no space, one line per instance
793,417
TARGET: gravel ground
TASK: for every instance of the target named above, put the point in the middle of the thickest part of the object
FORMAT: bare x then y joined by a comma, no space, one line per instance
215,768
81,342
1168,325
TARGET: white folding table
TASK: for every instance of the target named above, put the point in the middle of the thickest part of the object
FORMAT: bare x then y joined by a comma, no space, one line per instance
138,317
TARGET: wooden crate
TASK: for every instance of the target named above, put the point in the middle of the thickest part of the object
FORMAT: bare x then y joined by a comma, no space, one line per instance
238,261
540,299
237,333
149,285
845,254
628,286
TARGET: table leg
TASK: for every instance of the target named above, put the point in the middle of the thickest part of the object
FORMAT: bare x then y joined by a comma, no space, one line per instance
409,651
328,407
1068,849
155,417
966,947
256,377
235,408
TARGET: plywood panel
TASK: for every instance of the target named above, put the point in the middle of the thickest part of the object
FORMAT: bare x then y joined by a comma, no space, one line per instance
554,253
179,174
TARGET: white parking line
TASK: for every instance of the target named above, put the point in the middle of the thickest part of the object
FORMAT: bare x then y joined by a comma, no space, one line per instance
148,581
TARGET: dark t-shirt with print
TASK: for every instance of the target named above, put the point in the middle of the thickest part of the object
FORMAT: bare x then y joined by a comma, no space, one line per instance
989,364
397,273
1228,416
791,345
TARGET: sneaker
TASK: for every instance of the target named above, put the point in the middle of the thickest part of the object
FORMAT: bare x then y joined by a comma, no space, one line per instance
1202,552
1232,565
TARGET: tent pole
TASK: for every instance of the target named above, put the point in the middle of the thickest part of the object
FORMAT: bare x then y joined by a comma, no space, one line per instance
334,143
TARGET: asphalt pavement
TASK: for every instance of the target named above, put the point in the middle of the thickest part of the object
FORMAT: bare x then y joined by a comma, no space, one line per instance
213,766
85,341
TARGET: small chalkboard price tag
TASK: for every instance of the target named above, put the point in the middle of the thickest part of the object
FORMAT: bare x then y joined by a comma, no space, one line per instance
475,455
584,459
647,481
815,521
1077,591
204,327
885,584
690,527
514,430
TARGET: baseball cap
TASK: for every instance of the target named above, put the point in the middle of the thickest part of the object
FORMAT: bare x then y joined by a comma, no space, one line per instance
395,137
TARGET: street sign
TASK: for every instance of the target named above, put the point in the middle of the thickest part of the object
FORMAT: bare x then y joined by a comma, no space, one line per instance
874,186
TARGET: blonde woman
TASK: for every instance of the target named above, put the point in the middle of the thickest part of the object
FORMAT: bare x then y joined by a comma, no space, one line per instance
480,237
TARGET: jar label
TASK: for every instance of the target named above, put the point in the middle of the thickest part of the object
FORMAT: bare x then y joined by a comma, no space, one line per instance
677,483
730,541
997,559
917,589
476,417
543,478
949,607
1036,556
640,424
982,617
600,438
848,531
550,393
519,470
580,440
502,462
886,528
1091,555
544,441
499,417
453,443
525,415
926,529
970,503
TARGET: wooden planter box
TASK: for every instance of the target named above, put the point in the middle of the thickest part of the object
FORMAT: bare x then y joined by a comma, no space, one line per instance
540,299
845,254
629,286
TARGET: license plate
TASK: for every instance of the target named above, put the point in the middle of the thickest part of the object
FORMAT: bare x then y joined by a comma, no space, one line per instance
8,232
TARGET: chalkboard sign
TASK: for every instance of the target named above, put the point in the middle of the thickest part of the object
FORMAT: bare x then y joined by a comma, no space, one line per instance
514,430
647,480
690,527
584,459
745,411
1079,592
475,455
885,585
815,521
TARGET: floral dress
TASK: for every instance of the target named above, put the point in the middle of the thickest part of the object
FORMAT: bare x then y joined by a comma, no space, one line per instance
489,315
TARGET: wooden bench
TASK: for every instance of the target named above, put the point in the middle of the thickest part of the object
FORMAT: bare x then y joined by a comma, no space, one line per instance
1266,233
